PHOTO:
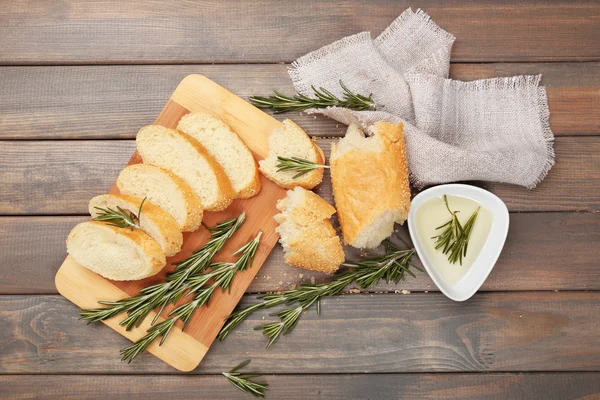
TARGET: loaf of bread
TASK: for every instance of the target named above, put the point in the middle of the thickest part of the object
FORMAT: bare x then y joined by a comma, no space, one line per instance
291,141
370,183
306,234
154,221
115,253
186,157
166,190
227,148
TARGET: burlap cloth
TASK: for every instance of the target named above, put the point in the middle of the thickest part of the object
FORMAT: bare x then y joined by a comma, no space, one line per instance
489,130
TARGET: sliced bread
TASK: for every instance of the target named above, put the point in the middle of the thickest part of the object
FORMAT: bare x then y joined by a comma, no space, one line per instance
154,221
306,234
115,253
227,148
369,177
186,157
166,190
291,141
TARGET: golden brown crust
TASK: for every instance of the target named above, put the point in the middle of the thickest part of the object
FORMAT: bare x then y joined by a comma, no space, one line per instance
366,183
194,205
252,189
222,180
168,227
317,248
148,245
194,210
316,245
307,181
313,209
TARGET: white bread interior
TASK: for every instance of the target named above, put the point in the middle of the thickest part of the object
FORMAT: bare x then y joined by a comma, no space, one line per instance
166,190
227,148
370,183
291,141
186,157
306,234
115,253
154,221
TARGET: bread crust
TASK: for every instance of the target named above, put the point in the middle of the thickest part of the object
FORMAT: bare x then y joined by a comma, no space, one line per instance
253,187
225,189
306,181
148,245
194,211
223,181
316,247
367,183
168,227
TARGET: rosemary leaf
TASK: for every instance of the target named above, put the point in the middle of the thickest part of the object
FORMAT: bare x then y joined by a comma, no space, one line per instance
300,165
243,382
222,274
391,267
160,295
120,217
454,239
323,98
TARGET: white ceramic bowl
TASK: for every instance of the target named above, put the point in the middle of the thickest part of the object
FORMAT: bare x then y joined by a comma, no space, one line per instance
485,261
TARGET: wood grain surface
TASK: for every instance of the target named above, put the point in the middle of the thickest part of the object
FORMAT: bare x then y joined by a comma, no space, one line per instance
179,31
496,386
110,102
99,70
503,331
59,177
531,260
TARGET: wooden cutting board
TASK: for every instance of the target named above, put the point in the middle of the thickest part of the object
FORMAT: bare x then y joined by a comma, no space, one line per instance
185,350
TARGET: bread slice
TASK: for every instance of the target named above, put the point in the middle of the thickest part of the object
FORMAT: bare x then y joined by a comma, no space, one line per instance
306,234
369,176
166,190
115,253
156,222
291,141
227,148
186,157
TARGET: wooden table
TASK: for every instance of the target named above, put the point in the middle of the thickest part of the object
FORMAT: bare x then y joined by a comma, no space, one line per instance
79,78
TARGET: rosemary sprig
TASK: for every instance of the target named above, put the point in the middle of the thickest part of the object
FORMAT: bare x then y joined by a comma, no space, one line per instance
244,383
323,98
222,274
454,239
168,292
392,267
120,217
297,164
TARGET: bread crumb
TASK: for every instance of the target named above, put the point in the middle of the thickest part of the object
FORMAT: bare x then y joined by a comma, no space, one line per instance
312,280
300,276
280,283
354,290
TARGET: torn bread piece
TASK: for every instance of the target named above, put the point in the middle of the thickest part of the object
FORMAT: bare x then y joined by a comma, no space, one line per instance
227,148
115,253
166,190
369,177
291,141
306,234
155,221
187,158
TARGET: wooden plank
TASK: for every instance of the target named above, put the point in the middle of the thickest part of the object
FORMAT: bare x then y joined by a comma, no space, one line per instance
113,31
531,259
498,386
59,177
113,102
493,332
